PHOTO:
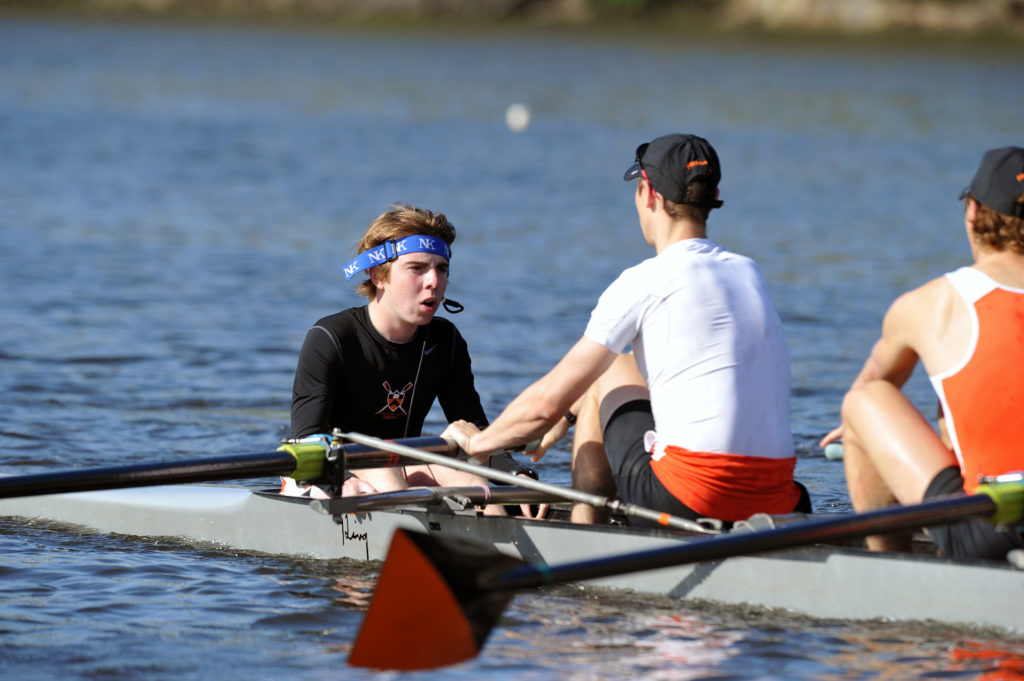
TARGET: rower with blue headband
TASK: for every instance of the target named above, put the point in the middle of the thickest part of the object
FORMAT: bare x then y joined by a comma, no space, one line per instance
378,368
392,249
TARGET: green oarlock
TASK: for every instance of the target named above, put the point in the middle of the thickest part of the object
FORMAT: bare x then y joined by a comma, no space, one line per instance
1008,496
309,459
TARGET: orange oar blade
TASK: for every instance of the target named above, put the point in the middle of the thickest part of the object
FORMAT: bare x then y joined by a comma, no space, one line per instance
427,611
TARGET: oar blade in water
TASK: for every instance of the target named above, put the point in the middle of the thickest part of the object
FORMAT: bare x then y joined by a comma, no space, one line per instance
427,611
438,599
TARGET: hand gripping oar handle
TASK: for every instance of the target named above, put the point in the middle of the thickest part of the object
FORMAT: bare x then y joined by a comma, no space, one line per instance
474,466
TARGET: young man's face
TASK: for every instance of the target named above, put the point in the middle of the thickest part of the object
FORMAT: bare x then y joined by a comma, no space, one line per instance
415,289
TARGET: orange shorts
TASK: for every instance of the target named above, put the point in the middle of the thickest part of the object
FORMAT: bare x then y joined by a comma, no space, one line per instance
728,486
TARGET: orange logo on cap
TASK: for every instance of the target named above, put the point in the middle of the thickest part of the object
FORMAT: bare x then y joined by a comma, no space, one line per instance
1020,178
695,163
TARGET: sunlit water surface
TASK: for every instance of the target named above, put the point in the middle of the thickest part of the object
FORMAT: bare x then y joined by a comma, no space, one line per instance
175,205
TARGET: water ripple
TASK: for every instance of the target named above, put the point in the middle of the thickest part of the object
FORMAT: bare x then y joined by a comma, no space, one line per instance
175,205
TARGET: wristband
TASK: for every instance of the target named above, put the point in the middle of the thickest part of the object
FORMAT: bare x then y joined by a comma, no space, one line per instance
523,469
571,418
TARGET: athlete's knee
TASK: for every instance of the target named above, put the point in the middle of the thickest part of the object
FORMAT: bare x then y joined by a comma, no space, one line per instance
869,397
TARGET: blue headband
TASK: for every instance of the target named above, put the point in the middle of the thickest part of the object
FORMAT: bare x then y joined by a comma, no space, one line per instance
390,250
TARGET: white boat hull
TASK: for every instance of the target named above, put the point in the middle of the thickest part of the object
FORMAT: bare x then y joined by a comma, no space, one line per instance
826,582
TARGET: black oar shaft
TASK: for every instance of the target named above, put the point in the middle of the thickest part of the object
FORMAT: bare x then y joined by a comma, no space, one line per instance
894,519
231,467
143,475
358,456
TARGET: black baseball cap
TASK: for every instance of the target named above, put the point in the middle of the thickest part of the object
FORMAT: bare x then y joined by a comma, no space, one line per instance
673,161
999,181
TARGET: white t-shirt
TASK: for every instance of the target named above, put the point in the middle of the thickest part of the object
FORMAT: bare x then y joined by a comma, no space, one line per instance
709,343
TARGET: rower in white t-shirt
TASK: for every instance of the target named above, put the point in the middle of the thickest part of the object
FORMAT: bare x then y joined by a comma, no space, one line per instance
695,420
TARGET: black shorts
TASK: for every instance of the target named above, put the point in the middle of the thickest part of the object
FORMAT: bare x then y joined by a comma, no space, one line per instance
970,538
631,465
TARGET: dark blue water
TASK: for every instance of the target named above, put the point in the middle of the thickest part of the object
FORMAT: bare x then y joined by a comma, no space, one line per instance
176,203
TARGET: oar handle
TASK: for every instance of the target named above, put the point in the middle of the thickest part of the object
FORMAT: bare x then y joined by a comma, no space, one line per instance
365,456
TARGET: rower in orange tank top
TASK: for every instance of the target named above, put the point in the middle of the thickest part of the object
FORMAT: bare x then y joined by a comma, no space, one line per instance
967,329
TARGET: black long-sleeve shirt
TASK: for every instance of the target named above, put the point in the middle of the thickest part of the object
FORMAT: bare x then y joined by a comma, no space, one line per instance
351,377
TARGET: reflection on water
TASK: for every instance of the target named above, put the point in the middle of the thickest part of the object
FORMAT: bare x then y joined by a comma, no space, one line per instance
356,589
175,205
606,635
1001,662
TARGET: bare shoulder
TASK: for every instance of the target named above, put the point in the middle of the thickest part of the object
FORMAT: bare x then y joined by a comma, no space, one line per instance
920,314
918,303
932,319
927,299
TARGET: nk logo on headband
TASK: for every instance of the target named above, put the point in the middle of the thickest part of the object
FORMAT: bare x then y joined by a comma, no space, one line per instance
389,250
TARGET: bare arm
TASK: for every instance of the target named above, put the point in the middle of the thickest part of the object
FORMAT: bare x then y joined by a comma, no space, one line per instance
893,356
533,413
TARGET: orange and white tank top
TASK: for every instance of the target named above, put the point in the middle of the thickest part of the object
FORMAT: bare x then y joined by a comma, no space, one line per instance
982,396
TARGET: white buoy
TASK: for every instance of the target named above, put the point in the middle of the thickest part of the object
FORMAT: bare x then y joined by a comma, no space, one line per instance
517,117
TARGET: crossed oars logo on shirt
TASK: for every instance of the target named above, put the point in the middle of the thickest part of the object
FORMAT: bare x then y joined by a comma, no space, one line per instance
395,398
